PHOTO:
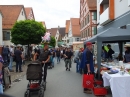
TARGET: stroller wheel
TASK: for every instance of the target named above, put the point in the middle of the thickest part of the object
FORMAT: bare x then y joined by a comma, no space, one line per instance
27,94
41,92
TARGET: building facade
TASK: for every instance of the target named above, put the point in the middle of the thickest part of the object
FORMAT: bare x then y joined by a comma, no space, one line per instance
113,14
74,31
88,18
1,34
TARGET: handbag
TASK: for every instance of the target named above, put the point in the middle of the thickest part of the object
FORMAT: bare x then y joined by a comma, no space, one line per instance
88,81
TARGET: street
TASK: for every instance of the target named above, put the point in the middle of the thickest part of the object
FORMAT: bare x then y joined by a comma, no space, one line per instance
60,83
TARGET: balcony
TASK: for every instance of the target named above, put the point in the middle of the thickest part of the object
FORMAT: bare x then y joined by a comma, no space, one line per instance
104,17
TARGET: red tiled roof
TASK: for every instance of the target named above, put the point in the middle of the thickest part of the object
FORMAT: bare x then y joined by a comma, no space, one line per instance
28,10
75,27
67,26
10,15
53,31
92,4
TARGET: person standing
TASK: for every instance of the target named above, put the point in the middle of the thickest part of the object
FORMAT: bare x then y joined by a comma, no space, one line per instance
44,58
11,58
68,59
110,52
58,54
19,57
88,62
1,65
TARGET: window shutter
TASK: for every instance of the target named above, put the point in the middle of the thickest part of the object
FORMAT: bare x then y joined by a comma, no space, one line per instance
95,15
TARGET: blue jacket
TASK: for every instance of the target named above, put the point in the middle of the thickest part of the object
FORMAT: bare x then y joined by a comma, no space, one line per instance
87,60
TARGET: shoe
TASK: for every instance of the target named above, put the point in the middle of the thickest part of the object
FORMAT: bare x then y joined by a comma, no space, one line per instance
11,70
66,69
21,71
69,69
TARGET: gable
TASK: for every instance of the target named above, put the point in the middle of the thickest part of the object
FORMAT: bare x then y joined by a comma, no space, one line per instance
22,15
29,13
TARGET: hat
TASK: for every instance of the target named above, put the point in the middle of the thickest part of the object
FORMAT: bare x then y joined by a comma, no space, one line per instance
88,43
127,45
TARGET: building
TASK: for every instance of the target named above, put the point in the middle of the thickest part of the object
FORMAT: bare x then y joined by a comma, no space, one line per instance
65,38
113,14
74,31
29,13
11,14
1,34
88,18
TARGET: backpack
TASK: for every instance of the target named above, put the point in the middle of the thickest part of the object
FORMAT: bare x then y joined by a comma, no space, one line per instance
5,51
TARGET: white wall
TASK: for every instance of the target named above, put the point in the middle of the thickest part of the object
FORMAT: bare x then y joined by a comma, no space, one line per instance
1,34
22,15
121,6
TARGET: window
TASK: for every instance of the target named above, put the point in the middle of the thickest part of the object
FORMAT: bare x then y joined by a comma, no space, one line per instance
86,33
6,35
77,39
123,27
95,16
22,13
94,30
88,19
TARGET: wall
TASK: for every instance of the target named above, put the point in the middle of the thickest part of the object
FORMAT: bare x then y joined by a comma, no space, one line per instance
121,7
1,34
21,15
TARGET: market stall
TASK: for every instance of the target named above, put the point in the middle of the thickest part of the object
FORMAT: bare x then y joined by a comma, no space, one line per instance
118,82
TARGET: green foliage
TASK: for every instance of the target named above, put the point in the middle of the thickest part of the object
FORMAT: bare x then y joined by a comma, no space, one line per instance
52,42
27,32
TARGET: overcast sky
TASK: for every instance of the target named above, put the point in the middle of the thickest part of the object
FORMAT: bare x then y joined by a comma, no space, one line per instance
53,12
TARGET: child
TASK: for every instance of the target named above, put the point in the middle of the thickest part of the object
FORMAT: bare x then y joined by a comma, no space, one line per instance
1,65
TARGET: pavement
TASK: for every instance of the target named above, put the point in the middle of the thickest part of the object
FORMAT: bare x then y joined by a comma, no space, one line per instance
60,83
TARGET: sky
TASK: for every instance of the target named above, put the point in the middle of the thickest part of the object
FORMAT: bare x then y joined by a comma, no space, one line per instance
53,12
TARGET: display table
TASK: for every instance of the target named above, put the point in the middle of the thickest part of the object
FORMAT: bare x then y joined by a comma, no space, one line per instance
120,84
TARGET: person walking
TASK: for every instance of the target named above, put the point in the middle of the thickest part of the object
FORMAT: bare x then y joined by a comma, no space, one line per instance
68,59
1,65
19,57
88,62
58,54
44,58
11,58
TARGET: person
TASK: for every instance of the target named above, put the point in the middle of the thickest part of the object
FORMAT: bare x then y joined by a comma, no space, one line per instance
110,52
68,58
88,62
76,59
1,65
11,58
19,58
23,60
5,54
44,58
58,54
127,53
53,57
4,95
104,54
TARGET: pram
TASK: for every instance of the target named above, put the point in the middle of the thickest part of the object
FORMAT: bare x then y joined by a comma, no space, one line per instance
34,74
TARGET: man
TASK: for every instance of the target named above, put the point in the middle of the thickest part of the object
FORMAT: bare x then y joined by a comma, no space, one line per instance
19,57
58,54
11,58
44,58
110,52
89,67
68,58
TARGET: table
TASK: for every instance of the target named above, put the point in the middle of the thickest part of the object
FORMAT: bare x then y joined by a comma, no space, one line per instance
120,84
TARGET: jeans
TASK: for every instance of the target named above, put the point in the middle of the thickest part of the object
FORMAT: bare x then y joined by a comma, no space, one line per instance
1,89
18,65
68,61
77,65
58,59
53,61
11,61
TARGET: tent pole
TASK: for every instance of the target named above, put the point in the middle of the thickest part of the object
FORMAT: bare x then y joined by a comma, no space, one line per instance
99,48
120,44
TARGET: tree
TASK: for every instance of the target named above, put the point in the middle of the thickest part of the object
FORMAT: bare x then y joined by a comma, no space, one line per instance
52,42
27,32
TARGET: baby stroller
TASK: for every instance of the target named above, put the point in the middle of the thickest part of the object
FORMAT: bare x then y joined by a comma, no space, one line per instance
34,75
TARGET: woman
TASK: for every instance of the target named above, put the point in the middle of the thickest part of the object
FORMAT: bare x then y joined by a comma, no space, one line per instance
1,65
127,53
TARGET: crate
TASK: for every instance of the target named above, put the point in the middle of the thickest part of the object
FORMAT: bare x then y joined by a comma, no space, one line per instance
99,91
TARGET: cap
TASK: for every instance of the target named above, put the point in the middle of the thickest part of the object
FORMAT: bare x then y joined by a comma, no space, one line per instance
88,43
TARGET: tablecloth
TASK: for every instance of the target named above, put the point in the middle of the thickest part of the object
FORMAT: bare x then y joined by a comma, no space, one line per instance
120,84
